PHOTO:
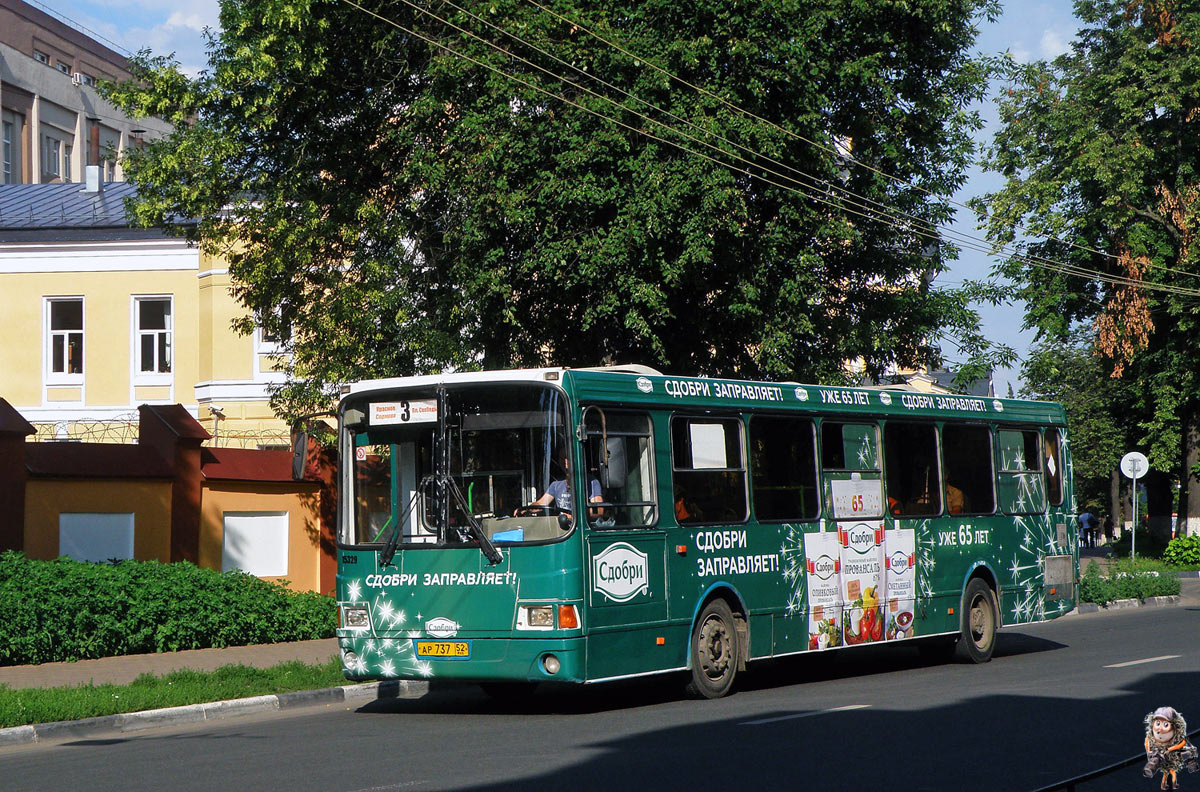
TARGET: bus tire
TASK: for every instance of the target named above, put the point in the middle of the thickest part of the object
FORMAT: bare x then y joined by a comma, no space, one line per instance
714,651
980,620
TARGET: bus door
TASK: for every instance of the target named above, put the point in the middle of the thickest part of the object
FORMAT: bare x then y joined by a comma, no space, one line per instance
625,547
854,500
1061,569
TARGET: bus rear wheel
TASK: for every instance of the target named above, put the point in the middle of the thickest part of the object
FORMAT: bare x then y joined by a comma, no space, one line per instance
980,618
714,651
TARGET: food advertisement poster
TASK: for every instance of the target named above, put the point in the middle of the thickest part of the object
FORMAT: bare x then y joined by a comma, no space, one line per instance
822,561
900,552
861,546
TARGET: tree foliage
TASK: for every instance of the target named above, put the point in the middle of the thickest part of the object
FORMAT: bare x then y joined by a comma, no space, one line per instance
404,196
1101,154
1072,373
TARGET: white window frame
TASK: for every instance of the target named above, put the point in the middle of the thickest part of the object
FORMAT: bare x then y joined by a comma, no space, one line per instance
49,375
149,378
264,348
51,155
6,144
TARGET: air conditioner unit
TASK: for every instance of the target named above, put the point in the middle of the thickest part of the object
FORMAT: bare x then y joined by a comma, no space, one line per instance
76,78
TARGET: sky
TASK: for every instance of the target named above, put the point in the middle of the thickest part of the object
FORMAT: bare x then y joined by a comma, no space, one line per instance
1027,29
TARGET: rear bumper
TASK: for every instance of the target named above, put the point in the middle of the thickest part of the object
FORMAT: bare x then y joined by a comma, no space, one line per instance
488,659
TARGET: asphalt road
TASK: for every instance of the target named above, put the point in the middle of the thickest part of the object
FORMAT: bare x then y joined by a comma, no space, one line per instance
1058,700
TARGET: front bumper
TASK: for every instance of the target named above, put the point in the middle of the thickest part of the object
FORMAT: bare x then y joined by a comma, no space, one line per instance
488,659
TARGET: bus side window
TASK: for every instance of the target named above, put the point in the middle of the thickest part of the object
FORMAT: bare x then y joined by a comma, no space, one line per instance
783,468
621,444
967,461
709,483
1054,467
914,482
1021,485
851,470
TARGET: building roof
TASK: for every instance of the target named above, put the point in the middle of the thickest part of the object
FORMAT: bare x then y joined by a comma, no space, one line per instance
64,205
12,422
246,464
66,212
175,418
95,460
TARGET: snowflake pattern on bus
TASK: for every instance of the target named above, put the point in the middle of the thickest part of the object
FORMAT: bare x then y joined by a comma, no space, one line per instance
791,560
386,658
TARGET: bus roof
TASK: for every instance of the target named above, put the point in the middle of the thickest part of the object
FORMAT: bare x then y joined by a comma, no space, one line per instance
644,386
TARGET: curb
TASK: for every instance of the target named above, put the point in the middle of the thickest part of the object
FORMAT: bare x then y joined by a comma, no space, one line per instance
216,710
1122,604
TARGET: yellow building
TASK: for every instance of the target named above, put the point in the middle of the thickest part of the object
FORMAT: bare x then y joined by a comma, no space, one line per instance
100,318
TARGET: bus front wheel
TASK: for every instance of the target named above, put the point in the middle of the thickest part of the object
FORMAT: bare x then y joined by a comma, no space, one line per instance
714,651
980,618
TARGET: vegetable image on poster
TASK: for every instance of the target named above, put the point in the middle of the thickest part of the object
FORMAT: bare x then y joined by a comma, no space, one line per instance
862,614
823,565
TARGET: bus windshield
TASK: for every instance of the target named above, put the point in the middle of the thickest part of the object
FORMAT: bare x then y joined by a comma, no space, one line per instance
437,466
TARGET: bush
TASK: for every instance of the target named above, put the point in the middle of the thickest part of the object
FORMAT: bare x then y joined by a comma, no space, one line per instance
1148,545
1124,581
73,610
1183,551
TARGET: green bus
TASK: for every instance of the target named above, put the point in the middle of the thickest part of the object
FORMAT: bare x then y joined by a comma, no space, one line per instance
586,525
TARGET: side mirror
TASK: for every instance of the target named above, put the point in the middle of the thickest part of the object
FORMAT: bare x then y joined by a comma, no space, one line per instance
299,455
613,474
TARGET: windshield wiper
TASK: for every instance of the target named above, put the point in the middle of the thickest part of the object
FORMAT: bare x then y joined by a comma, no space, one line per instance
393,542
488,549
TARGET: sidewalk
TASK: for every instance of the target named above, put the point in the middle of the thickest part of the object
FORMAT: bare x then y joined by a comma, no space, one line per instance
123,670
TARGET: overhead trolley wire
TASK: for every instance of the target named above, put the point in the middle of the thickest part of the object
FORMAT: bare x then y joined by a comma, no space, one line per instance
882,213
823,146
924,228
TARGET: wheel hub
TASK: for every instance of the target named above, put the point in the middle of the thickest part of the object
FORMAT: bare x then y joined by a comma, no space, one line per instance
715,649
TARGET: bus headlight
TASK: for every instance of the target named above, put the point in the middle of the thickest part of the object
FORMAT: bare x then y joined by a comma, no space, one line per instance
356,618
550,664
535,617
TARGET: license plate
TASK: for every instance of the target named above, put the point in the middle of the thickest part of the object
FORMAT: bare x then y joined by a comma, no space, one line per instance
449,650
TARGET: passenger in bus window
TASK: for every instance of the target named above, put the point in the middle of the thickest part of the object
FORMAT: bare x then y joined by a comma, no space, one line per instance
558,494
686,511
956,501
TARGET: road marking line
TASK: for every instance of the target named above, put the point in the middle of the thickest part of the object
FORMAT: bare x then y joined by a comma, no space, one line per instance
1139,662
847,708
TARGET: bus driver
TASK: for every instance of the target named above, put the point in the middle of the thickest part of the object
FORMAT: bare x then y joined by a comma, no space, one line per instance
558,494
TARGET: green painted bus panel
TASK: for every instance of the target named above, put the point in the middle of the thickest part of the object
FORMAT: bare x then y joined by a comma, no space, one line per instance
453,594
694,392
635,651
625,579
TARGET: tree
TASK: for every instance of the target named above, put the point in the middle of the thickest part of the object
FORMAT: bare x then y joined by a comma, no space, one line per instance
1100,153
1073,374
401,195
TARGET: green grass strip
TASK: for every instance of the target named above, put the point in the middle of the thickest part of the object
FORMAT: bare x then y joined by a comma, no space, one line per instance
45,705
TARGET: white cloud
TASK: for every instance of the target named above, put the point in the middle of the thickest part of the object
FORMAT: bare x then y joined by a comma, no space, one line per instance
1054,43
192,21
